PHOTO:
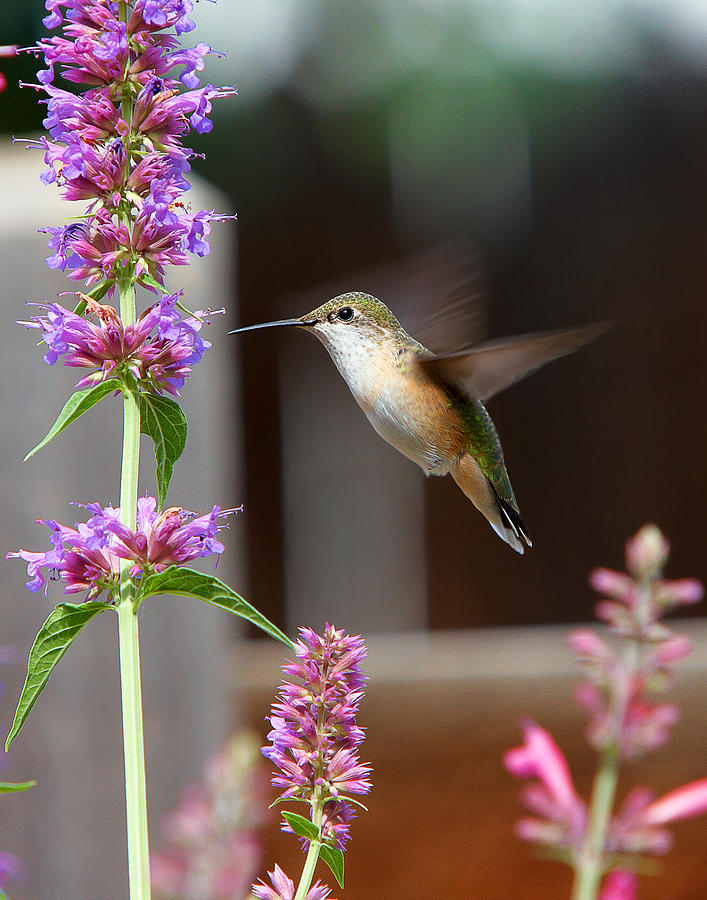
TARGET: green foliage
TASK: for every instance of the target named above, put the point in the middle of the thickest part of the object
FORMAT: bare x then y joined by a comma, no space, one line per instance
189,583
334,858
301,826
14,787
148,280
162,419
77,404
53,640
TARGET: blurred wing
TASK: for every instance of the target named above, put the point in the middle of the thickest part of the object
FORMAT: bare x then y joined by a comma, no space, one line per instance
446,305
490,368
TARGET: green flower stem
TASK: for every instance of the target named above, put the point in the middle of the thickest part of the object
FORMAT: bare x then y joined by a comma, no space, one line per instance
310,862
591,860
591,867
128,635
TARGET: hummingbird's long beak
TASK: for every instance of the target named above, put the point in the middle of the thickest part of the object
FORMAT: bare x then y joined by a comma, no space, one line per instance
299,322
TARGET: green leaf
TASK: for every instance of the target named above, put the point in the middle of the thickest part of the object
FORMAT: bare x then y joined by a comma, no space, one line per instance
77,404
279,800
162,419
52,642
353,800
189,583
334,858
301,826
147,279
14,787
3,895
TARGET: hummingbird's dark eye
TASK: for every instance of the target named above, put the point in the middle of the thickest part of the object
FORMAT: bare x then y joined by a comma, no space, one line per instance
345,314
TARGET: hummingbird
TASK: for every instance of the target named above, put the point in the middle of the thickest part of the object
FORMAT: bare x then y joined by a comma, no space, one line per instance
430,406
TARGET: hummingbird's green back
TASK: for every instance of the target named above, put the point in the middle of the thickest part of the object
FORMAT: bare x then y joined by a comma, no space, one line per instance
485,445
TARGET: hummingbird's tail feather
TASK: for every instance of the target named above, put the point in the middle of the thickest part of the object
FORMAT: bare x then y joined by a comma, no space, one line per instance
513,518
504,518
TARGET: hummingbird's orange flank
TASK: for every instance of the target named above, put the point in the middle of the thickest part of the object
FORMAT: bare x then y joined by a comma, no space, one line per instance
430,406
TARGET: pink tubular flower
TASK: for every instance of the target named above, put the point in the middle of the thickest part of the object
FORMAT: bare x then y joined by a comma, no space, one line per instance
684,592
563,813
159,349
638,828
620,885
88,557
613,584
6,50
683,803
283,888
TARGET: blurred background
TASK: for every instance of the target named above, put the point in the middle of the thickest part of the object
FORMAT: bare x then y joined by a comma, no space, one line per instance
566,142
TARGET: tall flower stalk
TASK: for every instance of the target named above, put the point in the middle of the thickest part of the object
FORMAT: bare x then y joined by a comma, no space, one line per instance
314,744
621,692
129,636
117,146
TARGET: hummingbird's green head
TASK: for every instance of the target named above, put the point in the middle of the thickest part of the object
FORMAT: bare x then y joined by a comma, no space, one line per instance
357,310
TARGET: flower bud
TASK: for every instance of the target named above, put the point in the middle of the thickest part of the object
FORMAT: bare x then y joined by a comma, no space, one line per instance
647,553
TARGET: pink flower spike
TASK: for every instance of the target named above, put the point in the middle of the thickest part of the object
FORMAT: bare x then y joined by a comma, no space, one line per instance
620,885
541,758
683,803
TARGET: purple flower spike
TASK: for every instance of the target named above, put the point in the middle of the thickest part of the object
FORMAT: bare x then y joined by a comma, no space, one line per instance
159,349
314,737
129,166
88,557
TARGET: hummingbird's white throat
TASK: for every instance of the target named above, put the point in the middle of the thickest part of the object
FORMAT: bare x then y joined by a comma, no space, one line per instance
359,351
